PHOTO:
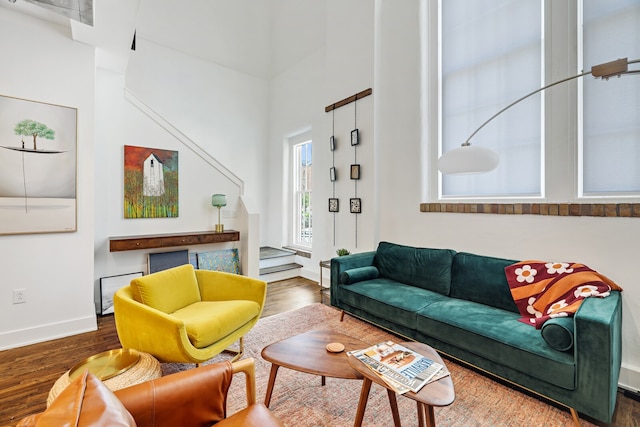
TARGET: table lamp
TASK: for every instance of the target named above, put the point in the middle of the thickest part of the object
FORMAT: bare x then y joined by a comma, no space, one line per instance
219,200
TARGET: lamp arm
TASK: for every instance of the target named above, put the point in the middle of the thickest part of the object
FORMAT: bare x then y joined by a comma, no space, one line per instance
605,71
520,100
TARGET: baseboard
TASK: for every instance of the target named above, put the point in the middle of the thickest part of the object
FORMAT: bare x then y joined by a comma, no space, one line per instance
629,378
52,331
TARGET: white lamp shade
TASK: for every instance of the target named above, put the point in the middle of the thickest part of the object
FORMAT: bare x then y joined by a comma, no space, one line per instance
468,159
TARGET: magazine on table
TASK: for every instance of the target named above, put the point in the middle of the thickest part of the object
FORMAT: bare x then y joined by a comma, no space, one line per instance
402,368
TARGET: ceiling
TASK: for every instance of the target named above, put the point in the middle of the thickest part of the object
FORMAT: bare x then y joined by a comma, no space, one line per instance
259,38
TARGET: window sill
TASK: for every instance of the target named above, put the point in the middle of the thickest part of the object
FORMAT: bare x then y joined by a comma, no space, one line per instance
608,210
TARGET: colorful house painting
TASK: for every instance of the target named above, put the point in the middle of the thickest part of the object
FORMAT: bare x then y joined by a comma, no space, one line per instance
150,182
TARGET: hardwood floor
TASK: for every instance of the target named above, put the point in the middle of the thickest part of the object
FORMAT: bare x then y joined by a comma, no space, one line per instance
28,373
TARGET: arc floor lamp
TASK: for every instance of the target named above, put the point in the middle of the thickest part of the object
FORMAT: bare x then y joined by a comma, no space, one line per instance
469,159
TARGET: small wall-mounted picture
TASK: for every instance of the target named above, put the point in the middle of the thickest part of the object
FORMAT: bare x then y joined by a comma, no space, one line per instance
355,171
356,205
332,174
334,205
332,143
355,140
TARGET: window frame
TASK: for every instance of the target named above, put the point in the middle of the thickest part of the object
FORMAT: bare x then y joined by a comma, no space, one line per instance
294,142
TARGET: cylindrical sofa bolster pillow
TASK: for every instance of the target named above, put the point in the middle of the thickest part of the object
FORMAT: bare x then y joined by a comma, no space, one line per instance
558,333
353,275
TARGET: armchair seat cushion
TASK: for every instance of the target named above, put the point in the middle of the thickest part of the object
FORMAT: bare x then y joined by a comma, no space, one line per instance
203,329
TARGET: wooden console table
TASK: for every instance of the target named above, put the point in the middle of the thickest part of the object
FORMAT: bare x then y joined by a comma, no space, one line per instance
153,241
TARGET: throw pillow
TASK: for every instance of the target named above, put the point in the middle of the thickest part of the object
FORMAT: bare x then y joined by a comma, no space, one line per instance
558,333
85,402
354,275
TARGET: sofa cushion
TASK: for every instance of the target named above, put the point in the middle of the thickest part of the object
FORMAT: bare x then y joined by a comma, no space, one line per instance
389,300
558,333
85,402
497,335
355,275
423,267
481,279
209,321
167,290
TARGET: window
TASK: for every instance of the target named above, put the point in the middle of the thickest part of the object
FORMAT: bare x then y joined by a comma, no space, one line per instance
491,54
610,150
302,173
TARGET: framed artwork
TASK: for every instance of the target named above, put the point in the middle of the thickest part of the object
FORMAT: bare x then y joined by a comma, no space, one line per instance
355,139
109,285
164,260
38,146
150,183
332,143
226,260
334,205
356,205
355,171
332,174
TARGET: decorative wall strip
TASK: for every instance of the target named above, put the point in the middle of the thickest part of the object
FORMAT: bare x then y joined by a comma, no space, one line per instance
609,210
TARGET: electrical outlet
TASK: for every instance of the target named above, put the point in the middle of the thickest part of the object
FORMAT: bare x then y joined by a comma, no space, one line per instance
19,296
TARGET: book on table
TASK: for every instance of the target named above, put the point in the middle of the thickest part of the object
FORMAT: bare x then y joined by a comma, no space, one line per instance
400,367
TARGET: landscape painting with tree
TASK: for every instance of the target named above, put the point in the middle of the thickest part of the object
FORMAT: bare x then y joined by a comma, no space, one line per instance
150,182
37,167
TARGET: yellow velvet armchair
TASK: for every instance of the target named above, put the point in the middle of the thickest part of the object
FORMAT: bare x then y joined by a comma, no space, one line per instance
185,315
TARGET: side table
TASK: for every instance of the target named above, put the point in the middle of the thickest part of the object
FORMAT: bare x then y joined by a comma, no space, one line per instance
323,264
146,368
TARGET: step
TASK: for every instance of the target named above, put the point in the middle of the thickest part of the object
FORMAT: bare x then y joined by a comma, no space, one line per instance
278,268
267,252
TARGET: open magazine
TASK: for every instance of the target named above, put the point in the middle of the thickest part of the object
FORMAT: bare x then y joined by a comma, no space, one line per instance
401,368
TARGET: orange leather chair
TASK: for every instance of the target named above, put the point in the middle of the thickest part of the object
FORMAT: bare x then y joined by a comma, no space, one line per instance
195,397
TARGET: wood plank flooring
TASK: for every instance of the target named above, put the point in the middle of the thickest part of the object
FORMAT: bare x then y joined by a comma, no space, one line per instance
28,373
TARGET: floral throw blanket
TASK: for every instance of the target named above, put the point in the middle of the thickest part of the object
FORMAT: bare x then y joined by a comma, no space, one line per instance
543,290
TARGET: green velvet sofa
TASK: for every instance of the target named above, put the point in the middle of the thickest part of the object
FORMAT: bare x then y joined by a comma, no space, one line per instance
460,304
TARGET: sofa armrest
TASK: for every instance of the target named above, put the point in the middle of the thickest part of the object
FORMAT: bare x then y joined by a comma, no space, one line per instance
221,286
347,262
598,352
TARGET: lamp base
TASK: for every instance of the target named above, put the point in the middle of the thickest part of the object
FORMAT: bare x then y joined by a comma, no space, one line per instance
219,228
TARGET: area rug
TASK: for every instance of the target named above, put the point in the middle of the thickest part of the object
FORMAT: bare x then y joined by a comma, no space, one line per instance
299,399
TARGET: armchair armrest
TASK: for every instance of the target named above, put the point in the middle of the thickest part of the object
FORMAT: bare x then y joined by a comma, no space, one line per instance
347,262
221,286
140,326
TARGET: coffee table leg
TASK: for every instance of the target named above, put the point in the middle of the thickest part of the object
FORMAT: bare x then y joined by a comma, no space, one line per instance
425,412
362,404
272,380
394,408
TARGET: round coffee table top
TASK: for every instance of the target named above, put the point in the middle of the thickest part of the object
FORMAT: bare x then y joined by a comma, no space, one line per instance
308,353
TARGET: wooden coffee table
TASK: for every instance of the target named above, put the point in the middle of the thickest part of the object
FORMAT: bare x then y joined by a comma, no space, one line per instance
437,393
307,353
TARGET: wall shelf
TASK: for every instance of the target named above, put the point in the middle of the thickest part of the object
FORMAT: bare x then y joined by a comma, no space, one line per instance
154,241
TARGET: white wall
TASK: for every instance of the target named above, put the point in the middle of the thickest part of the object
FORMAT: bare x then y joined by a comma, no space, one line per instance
213,108
42,63
298,97
607,245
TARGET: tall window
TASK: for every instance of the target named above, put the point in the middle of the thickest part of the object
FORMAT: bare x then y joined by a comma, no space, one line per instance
611,110
491,54
302,185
